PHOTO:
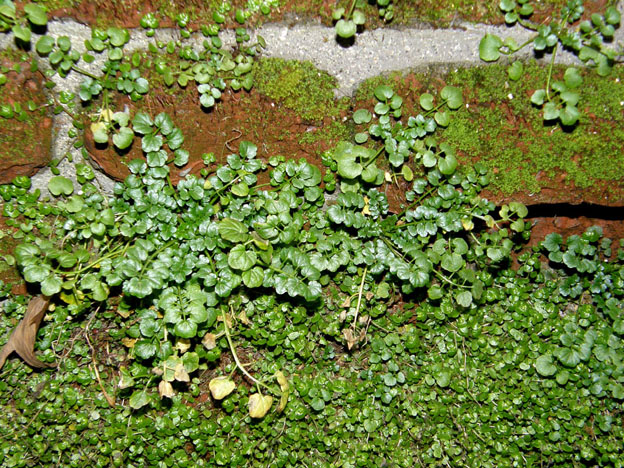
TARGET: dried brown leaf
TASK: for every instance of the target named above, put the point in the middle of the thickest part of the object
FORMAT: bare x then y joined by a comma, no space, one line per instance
22,340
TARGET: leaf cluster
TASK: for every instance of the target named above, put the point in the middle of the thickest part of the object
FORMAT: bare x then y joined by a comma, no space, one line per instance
590,40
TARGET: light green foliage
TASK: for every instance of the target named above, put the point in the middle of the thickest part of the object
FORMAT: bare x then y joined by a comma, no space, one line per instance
402,338
589,39
298,85
21,23
588,155
348,20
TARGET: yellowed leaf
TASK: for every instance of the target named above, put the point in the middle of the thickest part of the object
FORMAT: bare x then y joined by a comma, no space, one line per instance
183,345
220,387
285,388
180,373
128,342
209,341
165,389
259,405
366,209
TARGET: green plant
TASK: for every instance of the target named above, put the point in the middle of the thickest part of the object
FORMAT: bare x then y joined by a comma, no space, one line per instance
348,21
589,40
34,15
399,141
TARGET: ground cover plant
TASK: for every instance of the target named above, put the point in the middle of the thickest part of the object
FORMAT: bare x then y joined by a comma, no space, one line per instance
270,312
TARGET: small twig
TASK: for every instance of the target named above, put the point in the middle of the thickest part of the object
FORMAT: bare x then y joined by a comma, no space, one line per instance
227,143
111,401
359,302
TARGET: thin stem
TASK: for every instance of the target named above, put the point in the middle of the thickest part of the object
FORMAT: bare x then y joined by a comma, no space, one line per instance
444,278
550,70
415,202
82,71
236,360
374,158
350,10
359,302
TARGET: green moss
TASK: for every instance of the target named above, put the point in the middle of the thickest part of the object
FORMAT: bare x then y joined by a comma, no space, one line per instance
501,128
335,131
300,86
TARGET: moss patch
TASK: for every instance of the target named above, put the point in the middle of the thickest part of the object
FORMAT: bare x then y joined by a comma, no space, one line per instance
499,127
299,86
25,128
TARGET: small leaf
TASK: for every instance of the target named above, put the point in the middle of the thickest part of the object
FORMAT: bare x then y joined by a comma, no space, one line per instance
44,45
453,96
142,123
259,405
60,185
383,92
21,32
165,389
233,230
515,71
544,365
359,18
345,29
139,399
123,139
362,116
489,48
426,101
36,14
220,387
538,97
572,78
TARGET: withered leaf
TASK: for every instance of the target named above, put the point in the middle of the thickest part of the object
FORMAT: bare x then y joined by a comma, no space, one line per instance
22,340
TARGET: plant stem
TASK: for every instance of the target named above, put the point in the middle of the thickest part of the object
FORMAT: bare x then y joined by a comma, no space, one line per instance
236,360
350,10
550,69
381,150
84,72
415,202
359,302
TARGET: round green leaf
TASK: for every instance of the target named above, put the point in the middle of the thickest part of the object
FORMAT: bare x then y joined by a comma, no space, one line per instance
185,329
123,139
362,116
51,285
241,259
253,278
453,96
359,18
232,230
544,365
36,14
60,185
515,71
21,32
44,45
383,92
426,101
489,48
572,78
345,29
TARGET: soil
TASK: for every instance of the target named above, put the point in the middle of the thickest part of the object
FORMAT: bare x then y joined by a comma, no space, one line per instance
238,116
25,140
